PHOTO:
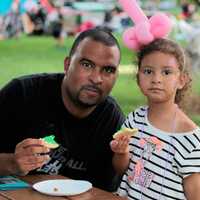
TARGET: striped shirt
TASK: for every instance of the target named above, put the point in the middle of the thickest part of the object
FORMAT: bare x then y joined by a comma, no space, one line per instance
159,160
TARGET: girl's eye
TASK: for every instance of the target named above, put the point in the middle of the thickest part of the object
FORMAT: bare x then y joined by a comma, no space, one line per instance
147,71
167,72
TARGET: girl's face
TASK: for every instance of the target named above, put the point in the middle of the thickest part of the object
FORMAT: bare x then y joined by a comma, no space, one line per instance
159,77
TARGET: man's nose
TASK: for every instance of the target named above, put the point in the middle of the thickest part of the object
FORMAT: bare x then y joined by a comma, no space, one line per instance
96,76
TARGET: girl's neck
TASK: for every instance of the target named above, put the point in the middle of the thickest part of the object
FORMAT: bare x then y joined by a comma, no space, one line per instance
162,108
163,116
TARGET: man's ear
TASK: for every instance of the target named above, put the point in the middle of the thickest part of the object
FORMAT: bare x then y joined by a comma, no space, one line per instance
66,64
137,78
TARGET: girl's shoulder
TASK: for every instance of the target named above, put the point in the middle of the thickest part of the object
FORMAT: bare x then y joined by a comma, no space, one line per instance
138,112
185,124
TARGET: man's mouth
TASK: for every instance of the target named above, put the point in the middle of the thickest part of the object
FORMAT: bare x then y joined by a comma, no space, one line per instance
93,90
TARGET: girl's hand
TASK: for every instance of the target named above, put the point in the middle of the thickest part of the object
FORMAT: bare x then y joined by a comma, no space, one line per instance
120,144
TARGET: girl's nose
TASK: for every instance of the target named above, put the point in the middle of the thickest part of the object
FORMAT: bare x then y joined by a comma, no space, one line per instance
157,78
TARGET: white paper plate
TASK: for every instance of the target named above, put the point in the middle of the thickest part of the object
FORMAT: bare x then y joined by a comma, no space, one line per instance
62,187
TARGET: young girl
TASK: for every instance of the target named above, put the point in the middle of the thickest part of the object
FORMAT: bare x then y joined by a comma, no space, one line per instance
162,161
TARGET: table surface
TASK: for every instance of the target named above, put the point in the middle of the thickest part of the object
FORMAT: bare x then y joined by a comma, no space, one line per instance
30,194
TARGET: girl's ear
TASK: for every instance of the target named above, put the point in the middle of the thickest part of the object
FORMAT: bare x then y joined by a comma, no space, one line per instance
184,79
66,64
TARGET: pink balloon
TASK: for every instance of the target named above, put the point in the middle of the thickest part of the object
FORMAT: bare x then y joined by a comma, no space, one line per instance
145,30
133,10
160,25
142,33
130,40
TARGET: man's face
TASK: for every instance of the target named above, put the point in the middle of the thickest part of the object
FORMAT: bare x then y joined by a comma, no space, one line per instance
90,73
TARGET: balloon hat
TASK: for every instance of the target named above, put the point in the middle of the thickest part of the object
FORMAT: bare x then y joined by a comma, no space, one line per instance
145,30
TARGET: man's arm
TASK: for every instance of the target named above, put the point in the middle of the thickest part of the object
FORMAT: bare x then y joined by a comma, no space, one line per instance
191,186
8,165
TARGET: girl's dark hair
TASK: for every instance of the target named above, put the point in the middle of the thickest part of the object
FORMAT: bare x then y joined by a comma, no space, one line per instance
169,47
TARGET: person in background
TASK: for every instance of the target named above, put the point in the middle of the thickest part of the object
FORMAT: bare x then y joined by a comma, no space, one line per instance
161,161
188,10
74,106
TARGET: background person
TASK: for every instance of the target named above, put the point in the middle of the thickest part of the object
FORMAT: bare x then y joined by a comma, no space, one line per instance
74,106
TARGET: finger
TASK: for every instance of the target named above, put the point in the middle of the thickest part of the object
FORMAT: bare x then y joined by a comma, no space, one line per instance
125,141
30,142
123,145
113,145
25,169
32,150
24,164
31,160
34,166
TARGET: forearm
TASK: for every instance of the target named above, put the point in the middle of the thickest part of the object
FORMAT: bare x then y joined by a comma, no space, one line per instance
191,186
8,165
121,162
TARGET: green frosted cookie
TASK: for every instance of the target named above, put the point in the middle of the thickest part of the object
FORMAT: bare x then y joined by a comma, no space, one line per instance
50,142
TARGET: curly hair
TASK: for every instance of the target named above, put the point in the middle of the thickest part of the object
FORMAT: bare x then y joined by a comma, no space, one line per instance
170,47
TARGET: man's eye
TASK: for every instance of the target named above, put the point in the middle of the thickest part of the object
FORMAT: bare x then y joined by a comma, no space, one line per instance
86,64
147,71
109,70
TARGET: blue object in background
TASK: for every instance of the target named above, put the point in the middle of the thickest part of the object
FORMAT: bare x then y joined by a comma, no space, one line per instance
5,6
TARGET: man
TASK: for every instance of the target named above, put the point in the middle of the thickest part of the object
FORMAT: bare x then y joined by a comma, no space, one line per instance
74,106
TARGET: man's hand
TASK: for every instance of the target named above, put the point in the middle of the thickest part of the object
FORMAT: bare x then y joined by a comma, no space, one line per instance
29,155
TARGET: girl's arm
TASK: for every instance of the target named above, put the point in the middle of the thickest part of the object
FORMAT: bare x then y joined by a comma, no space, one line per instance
120,162
191,186
120,147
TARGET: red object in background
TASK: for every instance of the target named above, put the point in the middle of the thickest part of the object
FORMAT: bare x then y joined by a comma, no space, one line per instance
47,5
85,26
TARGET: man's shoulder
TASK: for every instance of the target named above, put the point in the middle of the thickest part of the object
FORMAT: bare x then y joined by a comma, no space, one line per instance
110,101
38,80
39,77
110,107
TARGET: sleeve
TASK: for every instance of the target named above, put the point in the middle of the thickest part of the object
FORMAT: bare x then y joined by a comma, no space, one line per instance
129,122
11,100
135,118
187,157
11,112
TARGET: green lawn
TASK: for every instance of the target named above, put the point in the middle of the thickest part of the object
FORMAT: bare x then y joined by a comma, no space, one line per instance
39,54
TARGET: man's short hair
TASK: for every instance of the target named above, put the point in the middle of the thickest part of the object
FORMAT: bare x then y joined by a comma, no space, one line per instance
98,34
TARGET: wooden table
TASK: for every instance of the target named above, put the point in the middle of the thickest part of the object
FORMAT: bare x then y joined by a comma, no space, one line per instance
30,194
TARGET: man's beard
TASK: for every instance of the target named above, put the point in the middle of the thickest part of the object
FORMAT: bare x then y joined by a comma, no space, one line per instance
76,98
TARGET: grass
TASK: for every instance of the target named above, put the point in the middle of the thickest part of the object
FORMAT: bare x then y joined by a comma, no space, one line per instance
29,55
